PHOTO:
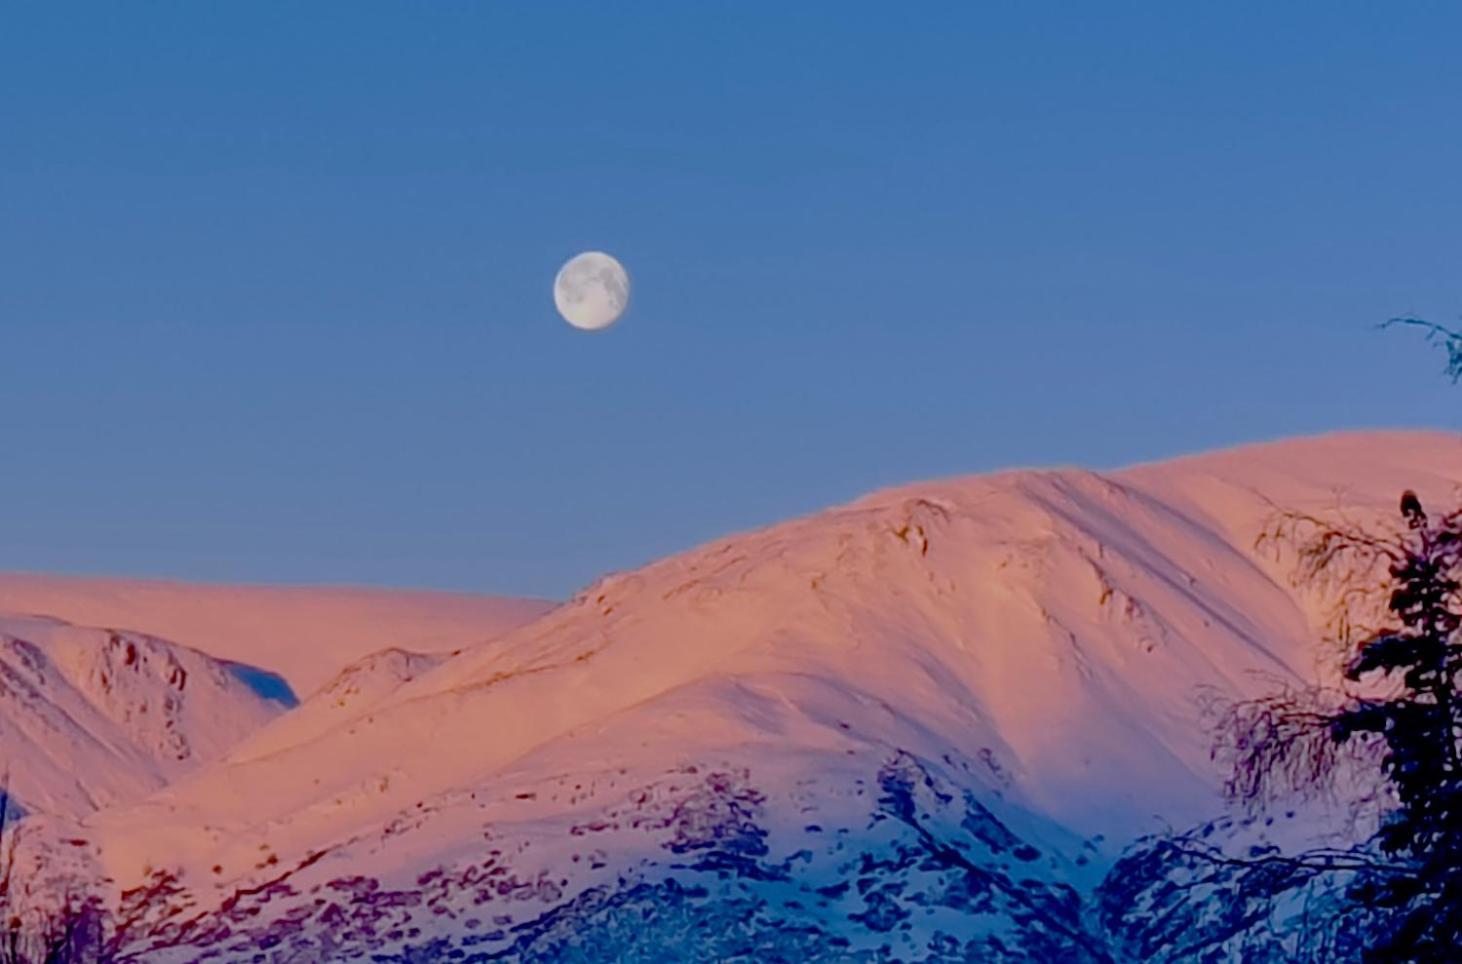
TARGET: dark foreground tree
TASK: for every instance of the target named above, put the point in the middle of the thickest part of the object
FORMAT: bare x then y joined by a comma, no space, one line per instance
1387,733
1399,705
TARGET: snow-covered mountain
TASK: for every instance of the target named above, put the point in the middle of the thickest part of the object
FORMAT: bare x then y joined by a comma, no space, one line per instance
94,717
918,727
304,634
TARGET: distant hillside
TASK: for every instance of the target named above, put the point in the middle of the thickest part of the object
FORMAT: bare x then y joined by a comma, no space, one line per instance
92,717
304,634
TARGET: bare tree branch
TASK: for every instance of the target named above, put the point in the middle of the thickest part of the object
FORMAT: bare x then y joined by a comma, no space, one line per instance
1449,340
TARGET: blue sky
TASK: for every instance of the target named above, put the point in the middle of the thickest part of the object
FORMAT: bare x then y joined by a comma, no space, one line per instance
274,278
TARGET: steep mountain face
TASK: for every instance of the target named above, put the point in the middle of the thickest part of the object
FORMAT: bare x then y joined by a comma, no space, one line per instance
95,717
920,727
304,634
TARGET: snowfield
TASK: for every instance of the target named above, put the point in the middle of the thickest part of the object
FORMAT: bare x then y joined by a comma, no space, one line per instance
922,726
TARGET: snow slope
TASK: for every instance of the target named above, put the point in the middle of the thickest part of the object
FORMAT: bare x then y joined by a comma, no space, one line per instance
355,688
305,634
918,725
92,717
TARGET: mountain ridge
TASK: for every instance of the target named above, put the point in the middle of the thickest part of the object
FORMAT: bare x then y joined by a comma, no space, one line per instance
1089,532
922,725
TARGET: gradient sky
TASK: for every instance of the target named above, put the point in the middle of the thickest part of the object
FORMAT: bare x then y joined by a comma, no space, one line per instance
274,279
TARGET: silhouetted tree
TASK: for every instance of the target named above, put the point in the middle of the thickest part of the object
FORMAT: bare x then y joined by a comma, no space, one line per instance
1399,705
1396,711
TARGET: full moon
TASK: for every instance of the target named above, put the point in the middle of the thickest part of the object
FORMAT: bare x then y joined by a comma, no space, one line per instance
591,291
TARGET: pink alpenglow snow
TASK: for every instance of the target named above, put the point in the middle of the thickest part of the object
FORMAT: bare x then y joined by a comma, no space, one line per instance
930,718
